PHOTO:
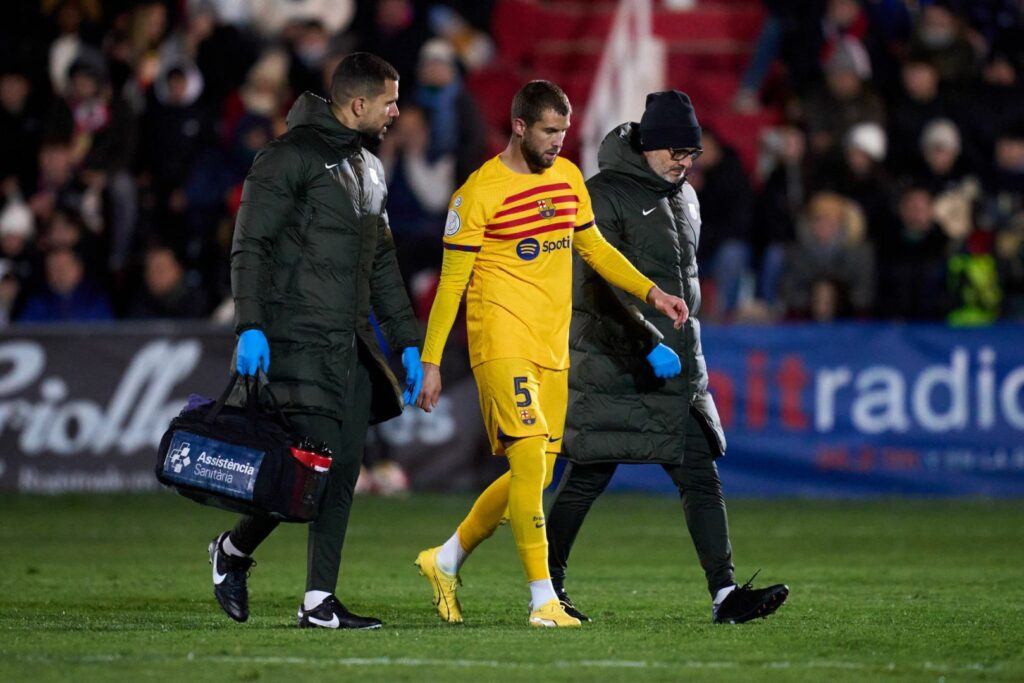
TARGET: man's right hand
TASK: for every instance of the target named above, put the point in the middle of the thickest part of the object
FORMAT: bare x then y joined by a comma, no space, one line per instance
671,306
253,353
430,391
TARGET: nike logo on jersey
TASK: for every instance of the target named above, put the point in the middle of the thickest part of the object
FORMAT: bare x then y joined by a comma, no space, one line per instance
553,439
648,211
329,166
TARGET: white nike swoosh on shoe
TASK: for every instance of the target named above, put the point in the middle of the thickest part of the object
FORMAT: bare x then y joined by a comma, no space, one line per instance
333,623
648,211
218,579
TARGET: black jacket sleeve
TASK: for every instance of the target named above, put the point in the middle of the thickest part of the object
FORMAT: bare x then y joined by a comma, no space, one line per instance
388,297
269,196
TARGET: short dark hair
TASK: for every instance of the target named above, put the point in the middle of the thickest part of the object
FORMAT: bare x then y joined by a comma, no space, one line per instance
360,74
536,97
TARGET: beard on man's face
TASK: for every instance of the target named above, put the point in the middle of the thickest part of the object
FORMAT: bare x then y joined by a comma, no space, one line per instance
534,157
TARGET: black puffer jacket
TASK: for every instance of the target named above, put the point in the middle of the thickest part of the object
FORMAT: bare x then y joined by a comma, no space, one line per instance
312,254
618,410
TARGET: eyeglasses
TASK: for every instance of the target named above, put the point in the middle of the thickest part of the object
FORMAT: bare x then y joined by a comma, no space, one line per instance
680,153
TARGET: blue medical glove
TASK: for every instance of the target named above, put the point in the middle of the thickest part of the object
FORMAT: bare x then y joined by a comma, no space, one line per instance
664,361
253,352
413,374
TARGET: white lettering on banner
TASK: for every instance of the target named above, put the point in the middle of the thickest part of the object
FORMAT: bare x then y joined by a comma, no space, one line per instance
827,383
1008,397
954,378
31,480
880,409
135,417
940,396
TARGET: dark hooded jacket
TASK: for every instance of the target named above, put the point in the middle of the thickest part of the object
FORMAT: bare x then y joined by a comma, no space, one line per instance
618,410
312,253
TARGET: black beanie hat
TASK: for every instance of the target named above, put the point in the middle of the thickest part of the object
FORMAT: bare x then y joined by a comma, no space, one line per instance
669,121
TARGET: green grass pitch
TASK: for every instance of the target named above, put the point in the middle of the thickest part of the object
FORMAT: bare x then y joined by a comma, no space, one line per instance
117,588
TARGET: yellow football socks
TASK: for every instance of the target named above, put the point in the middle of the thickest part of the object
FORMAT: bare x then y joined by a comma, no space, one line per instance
527,466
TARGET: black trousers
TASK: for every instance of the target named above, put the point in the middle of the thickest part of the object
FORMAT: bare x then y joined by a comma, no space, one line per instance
699,488
327,533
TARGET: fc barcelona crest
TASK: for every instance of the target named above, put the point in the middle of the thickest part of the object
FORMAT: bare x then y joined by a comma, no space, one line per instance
527,417
546,208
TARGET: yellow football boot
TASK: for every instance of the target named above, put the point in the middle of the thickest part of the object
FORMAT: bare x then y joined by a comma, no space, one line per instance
444,586
551,615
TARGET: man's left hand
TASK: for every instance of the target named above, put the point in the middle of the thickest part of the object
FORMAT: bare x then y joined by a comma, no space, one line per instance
413,374
671,306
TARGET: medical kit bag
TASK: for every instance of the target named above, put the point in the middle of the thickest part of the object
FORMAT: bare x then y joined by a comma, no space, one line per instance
243,459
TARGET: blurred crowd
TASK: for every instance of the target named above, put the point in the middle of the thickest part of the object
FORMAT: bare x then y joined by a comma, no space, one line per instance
893,189
127,128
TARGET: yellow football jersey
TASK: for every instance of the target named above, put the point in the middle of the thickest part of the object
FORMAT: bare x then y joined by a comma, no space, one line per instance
521,225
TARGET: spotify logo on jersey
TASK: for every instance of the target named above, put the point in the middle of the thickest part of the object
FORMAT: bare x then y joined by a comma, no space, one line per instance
528,249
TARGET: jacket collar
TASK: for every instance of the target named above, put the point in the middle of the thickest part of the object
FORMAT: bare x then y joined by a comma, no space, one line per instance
315,112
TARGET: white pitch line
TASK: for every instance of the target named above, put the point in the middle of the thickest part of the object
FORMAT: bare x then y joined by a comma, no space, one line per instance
500,664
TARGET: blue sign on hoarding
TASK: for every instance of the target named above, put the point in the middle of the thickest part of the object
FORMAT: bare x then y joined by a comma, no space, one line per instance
865,409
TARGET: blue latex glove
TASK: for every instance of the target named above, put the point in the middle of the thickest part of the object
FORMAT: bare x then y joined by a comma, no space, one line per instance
413,374
253,352
664,361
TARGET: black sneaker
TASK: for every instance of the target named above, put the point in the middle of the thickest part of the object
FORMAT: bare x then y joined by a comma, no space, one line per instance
745,603
332,614
568,605
229,575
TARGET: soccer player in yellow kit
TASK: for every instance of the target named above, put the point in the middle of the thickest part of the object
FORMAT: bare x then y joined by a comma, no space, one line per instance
509,234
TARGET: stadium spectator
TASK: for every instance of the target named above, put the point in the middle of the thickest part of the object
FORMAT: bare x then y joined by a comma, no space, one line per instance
782,196
911,261
993,102
456,127
830,247
21,128
419,187
860,175
942,35
727,202
395,30
68,296
67,230
846,99
624,365
101,131
166,292
19,260
918,102
942,166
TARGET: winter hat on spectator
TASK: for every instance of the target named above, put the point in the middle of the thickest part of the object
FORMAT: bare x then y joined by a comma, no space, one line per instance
940,134
89,61
437,49
17,220
669,121
849,55
869,138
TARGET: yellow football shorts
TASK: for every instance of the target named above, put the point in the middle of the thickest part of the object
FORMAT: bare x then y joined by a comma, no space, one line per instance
518,398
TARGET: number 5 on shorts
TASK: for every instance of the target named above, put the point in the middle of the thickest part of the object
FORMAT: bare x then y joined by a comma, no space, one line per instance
522,391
